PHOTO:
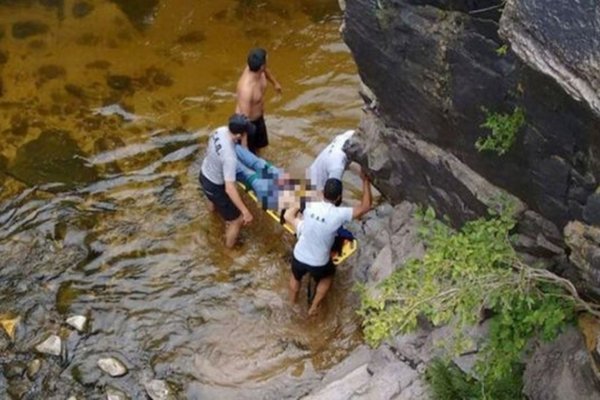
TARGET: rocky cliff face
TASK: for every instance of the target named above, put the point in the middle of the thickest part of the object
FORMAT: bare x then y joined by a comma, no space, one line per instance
431,68
433,65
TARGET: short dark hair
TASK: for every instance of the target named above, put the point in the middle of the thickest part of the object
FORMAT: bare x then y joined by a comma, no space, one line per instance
239,124
256,59
333,189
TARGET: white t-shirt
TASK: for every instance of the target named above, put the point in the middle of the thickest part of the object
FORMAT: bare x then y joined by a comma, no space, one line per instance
220,160
317,230
331,161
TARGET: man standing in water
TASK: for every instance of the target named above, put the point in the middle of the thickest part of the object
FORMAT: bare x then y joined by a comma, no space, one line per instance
316,231
251,96
217,176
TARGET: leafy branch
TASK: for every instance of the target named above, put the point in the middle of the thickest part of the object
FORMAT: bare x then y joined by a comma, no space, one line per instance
504,130
463,273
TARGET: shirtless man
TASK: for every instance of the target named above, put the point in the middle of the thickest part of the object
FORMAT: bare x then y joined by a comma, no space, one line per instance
251,97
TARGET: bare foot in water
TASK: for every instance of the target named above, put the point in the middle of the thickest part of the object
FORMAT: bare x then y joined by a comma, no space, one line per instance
313,311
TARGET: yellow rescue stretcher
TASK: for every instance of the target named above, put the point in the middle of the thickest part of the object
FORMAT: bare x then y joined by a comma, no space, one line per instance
349,246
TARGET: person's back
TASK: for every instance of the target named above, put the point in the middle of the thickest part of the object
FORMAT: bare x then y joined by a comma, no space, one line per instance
217,176
317,231
331,161
220,151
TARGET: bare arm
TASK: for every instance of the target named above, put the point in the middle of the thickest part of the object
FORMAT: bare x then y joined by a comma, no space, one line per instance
291,217
366,201
233,194
272,79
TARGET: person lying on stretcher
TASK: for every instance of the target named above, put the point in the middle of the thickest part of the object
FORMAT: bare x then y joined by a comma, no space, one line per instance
273,187
277,191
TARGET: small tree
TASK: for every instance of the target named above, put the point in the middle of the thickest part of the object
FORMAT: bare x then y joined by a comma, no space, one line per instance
462,273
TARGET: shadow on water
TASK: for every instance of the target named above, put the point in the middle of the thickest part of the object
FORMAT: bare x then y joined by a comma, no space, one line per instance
101,213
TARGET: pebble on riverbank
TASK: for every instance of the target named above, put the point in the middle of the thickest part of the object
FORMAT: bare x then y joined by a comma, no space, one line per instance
157,389
112,366
52,345
33,368
9,324
78,322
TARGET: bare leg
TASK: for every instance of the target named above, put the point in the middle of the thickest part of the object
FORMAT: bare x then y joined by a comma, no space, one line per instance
322,289
232,230
294,289
211,206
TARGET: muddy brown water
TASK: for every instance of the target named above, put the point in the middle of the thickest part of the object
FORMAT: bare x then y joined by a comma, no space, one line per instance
101,215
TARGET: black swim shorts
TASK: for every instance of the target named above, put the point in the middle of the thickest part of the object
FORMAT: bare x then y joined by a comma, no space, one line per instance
259,139
299,269
217,195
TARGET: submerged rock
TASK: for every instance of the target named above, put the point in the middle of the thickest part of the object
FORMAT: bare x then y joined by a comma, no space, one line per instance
77,322
117,109
81,9
33,368
52,157
157,389
112,366
115,394
52,345
139,12
25,29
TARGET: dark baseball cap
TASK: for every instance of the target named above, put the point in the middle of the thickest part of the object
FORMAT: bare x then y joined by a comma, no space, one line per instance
238,123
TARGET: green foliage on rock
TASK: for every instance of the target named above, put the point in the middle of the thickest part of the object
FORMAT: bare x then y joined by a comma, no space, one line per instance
504,130
461,274
502,50
448,382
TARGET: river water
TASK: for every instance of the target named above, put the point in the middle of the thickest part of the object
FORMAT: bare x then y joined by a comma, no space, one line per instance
100,213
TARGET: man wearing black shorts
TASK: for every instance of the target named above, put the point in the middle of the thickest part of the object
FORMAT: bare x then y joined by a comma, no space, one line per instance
250,94
316,231
217,176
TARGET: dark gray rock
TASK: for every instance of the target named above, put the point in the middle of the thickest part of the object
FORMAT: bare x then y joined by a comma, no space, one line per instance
431,66
561,369
560,40
584,242
591,212
409,168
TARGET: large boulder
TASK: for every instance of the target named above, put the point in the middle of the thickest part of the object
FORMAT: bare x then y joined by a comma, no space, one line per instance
560,39
432,66
561,369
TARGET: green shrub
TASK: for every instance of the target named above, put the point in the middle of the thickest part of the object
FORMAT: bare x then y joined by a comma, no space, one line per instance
461,274
448,382
504,130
